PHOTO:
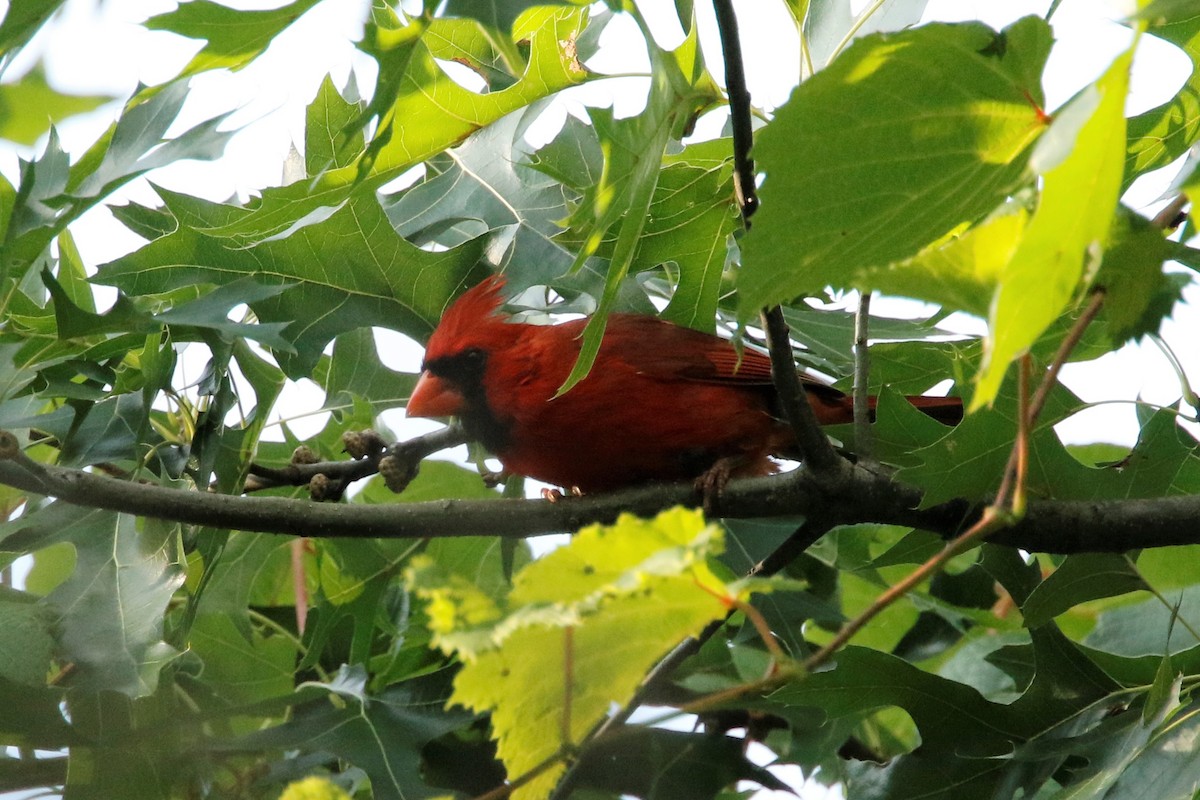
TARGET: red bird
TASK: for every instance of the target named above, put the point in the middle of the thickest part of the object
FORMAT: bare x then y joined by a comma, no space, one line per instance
661,402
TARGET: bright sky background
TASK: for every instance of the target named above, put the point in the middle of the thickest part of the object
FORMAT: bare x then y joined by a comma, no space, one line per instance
97,47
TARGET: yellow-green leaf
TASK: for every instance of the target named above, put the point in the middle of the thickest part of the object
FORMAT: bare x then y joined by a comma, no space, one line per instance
1081,158
582,627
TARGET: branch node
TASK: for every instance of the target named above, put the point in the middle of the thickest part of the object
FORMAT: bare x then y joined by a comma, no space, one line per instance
363,444
318,487
304,455
397,472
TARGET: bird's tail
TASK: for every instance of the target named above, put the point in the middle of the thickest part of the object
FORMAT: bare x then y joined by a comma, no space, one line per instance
833,407
946,410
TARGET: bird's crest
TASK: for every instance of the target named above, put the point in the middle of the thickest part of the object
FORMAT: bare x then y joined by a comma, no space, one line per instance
468,317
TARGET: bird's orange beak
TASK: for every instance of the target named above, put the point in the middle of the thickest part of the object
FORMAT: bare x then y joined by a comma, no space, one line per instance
433,397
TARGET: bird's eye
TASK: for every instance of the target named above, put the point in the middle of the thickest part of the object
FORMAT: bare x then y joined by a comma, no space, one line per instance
473,355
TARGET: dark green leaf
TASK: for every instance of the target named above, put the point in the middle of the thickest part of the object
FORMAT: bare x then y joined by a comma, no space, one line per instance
671,765
1080,578
381,734
355,371
25,640
1138,296
109,612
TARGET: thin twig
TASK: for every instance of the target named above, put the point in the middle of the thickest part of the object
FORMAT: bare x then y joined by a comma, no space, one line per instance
739,110
1009,504
1068,345
864,444
818,454
568,682
505,789
988,523
800,540
1171,216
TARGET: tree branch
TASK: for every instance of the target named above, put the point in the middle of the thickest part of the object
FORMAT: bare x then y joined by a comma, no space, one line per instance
367,458
1050,526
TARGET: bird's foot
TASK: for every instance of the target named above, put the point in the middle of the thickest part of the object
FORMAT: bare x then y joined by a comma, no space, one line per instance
711,483
554,495
493,479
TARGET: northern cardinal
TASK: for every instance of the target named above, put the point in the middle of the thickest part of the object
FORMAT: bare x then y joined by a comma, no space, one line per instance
661,402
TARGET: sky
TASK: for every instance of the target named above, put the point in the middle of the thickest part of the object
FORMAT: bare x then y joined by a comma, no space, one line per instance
98,47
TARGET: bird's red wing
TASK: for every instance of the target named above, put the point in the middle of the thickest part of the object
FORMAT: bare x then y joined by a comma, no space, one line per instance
660,349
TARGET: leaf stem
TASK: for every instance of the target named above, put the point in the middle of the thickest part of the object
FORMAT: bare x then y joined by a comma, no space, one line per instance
864,444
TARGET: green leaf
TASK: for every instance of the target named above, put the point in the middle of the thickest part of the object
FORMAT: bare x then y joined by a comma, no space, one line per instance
52,194
490,53
864,146
499,15
32,716
252,570
833,23
1164,690
240,669
1080,159
1148,628
26,644
112,757
1170,568
1159,136
1080,578
110,431
136,143
488,186
690,236
633,150
355,371
670,765
828,339
347,271
961,274
425,112
382,734
968,460
207,312
1138,296
109,612
22,21
1129,755
949,715
32,92
326,144
33,221
233,37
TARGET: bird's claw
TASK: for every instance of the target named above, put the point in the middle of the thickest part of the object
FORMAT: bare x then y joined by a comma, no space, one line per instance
711,485
493,479
554,495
